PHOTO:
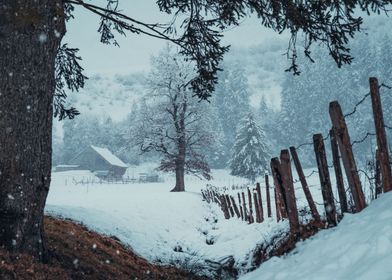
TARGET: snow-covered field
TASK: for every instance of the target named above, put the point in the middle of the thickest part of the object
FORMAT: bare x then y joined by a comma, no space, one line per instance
158,224
164,226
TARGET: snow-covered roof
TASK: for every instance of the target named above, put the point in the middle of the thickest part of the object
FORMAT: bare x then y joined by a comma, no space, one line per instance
108,156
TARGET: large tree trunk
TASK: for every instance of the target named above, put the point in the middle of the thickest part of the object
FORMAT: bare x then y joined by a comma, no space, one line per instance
180,174
30,34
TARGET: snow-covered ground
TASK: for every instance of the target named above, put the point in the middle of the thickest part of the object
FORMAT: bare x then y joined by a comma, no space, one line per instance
164,226
359,248
156,223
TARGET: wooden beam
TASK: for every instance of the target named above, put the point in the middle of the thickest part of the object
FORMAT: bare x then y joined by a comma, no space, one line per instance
344,143
325,180
381,135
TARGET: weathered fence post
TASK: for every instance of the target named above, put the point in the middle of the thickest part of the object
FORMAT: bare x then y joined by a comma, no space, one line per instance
251,219
239,203
267,191
326,188
279,190
304,183
260,204
381,135
338,172
237,212
229,205
244,206
224,207
344,143
257,209
378,188
288,184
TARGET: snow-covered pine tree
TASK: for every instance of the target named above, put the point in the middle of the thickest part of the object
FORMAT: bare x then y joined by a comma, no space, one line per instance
250,152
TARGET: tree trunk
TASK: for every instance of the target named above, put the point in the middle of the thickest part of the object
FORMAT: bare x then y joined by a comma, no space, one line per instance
30,34
180,174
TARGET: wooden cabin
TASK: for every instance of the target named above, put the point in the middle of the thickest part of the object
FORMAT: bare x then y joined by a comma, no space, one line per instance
101,161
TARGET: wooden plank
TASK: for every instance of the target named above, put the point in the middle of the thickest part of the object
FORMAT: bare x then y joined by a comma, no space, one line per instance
378,183
239,203
304,183
246,216
325,181
257,209
382,143
251,218
338,173
279,190
288,185
260,202
350,167
267,193
229,205
237,212
224,207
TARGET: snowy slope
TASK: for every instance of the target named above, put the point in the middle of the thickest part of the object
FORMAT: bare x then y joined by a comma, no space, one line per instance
359,248
155,222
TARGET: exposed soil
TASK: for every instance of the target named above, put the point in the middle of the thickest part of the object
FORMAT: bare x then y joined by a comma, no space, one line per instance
78,254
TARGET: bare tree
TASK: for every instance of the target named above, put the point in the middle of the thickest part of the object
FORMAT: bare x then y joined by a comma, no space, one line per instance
174,122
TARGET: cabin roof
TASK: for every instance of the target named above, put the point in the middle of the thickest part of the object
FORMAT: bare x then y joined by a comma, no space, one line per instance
108,156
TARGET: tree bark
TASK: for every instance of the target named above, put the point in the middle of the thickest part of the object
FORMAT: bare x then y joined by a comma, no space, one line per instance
180,176
30,35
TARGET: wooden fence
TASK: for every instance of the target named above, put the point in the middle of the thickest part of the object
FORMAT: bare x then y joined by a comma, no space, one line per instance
247,205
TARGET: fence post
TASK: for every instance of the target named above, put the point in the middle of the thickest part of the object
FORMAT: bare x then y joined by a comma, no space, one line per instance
279,190
304,183
378,183
239,203
288,184
237,212
381,135
325,180
260,204
257,209
224,207
244,206
267,191
229,205
338,172
344,143
251,218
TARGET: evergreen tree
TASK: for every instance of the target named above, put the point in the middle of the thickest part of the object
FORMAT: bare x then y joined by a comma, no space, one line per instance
250,153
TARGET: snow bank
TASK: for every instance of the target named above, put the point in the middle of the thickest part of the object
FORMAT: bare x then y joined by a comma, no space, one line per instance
156,223
359,248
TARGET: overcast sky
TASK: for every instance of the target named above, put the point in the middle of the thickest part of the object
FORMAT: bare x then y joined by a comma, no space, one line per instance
136,50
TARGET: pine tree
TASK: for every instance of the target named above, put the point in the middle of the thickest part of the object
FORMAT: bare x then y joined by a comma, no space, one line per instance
250,153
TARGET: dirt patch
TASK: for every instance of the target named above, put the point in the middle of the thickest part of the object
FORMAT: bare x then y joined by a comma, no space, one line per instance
77,253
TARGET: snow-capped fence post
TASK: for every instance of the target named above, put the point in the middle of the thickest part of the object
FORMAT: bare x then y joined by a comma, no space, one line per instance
267,193
325,180
260,202
345,148
224,207
244,206
257,209
305,187
251,219
237,212
279,191
377,176
382,142
288,185
229,205
239,203
338,173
